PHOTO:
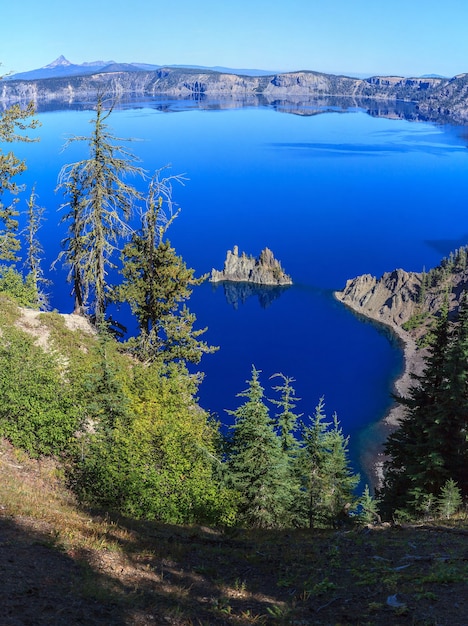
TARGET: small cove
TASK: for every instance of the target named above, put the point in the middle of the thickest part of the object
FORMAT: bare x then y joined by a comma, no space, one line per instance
333,195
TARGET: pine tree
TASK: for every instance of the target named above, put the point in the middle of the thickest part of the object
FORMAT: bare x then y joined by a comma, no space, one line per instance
312,459
106,400
450,499
415,467
451,429
101,203
430,445
256,463
286,419
34,250
74,253
369,508
12,120
327,479
338,478
286,426
10,166
157,283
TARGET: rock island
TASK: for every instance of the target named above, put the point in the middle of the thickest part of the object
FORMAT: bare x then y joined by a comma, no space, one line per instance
263,270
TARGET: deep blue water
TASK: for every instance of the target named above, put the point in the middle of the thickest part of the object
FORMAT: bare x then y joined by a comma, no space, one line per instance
333,195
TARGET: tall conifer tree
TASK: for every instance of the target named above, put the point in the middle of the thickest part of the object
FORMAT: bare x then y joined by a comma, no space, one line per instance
257,464
12,120
430,445
451,430
34,250
157,284
327,479
101,203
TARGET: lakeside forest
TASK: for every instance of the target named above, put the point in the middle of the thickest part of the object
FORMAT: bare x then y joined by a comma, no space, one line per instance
122,416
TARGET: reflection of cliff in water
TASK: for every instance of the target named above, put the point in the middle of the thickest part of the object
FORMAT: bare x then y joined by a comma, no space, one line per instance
302,106
392,109
237,293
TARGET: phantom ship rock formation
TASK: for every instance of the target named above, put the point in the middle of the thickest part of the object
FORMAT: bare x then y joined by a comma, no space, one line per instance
264,270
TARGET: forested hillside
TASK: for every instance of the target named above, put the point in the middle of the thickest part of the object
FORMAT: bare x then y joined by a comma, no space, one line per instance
126,422
122,413
129,498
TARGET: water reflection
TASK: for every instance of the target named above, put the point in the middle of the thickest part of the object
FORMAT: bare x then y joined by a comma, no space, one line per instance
295,105
238,293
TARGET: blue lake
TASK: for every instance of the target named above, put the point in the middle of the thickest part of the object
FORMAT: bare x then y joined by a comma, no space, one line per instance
333,195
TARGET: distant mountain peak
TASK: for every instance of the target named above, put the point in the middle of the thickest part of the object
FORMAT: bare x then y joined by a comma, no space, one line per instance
61,61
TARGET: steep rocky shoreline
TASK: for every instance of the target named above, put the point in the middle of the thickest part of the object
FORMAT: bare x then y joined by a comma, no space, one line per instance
388,302
392,301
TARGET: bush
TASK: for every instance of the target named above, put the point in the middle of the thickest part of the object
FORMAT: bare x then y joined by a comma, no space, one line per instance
37,412
151,454
22,290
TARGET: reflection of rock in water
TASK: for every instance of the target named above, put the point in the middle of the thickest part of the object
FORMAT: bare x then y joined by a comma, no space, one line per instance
238,293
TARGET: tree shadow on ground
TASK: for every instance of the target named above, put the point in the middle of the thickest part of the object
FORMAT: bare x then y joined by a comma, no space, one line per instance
139,573
158,575
42,585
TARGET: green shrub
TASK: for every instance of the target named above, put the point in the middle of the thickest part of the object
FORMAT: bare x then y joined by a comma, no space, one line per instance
22,290
415,321
37,412
151,453
450,499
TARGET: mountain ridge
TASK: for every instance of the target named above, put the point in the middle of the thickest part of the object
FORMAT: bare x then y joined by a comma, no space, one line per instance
61,66
436,99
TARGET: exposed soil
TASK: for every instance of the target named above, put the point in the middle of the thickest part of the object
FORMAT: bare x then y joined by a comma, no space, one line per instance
60,564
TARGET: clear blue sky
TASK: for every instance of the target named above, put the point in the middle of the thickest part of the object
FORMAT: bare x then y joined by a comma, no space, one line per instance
406,37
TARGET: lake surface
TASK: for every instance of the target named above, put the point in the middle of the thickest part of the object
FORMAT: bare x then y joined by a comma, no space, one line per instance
334,195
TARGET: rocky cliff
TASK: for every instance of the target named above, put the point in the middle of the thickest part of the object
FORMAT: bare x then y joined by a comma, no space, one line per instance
263,270
397,297
435,97
391,299
407,303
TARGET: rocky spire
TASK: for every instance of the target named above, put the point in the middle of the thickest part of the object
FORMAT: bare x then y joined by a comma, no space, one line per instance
263,270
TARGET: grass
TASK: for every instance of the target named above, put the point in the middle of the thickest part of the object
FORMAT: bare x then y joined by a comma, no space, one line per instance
127,572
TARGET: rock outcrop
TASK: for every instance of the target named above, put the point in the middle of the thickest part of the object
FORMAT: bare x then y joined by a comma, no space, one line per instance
264,270
391,299
395,298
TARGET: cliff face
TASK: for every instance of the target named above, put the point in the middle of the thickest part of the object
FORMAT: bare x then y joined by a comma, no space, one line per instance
449,98
391,299
264,270
436,97
398,296
178,82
